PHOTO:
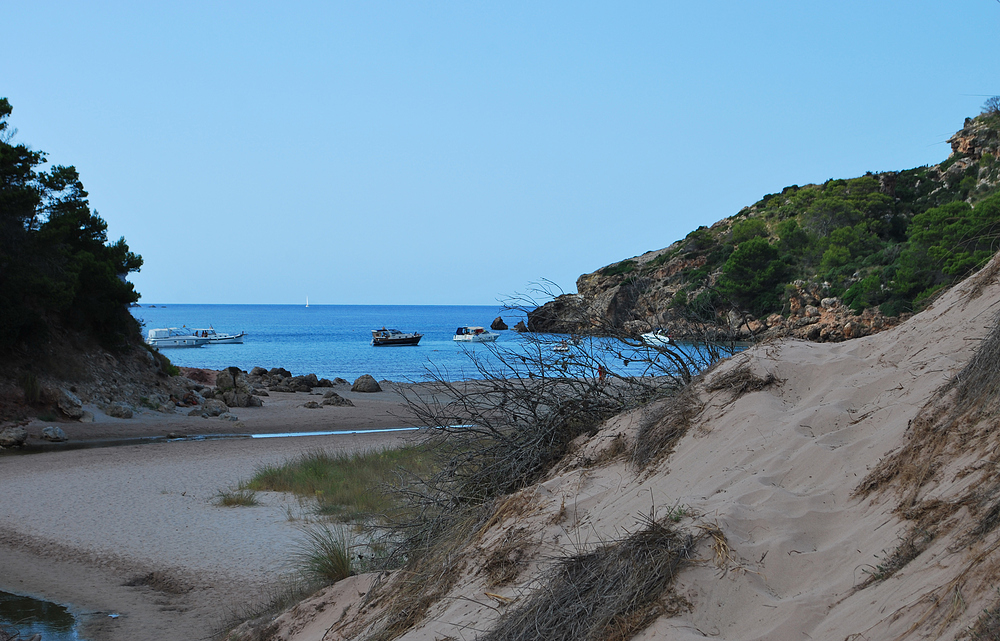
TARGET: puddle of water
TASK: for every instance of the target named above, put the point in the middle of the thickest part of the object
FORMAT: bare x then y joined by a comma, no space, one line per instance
336,433
30,616
35,448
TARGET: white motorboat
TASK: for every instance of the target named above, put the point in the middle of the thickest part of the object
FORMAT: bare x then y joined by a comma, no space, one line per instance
174,337
473,334
217,338
657,337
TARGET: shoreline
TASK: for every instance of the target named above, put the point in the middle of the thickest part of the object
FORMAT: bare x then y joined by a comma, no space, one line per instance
132,529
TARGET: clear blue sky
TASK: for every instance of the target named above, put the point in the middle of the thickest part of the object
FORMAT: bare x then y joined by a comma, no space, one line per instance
455,152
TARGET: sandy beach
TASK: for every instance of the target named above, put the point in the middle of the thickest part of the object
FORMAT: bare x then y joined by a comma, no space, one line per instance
128,535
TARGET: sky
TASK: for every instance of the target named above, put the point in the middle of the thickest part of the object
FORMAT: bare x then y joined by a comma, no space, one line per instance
461,152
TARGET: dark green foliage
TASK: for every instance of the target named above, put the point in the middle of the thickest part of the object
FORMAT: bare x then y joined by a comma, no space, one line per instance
946,243
887,240
752,276
746,229
55,258
624,267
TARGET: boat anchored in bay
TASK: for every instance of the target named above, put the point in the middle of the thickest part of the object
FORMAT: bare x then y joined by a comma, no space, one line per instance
394,337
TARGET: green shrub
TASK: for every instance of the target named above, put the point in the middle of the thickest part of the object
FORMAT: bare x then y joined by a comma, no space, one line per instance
324,554
238,497
624,267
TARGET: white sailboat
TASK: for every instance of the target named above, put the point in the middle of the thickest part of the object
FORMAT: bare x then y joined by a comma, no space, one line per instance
307,301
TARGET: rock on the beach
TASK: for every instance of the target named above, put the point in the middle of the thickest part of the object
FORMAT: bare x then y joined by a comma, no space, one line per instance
311,405
366,383
234,388
333,398
69,404
54,434
119,410
13,437
214,407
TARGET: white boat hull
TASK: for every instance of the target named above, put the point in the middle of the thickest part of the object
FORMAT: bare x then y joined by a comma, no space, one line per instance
478,338
177,341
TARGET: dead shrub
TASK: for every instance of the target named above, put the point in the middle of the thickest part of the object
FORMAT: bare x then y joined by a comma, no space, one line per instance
910,547
741,380
612,592
508,558
658,437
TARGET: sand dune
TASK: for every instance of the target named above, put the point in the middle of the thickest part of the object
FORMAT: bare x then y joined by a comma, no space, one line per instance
775,472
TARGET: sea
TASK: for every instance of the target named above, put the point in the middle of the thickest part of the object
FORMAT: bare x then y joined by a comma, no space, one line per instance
333,340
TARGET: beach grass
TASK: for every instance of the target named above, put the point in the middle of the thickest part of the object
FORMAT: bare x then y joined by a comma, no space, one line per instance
237,497
324,554
345,486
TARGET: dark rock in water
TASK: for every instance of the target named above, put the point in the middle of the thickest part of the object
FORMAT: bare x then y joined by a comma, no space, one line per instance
333,398
366,383
520,327
13,437
498,324
54,434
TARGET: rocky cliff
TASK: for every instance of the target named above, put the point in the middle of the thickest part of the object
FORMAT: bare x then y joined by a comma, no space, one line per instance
841,248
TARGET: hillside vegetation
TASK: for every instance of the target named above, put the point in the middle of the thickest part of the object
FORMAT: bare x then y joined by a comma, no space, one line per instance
57,266
887,242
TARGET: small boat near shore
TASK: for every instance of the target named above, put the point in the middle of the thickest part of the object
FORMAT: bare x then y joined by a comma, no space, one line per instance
474,334
174,337
218,338
657,337
394,337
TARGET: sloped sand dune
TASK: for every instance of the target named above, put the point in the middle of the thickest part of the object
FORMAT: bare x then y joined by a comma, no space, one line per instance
775,472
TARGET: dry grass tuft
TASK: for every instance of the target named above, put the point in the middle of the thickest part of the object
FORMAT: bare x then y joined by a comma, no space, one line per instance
741,380
987,627
658,437
984,278
433,567
909,548
508,558
612,592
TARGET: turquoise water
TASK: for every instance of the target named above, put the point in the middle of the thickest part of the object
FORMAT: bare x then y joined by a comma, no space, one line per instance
330,340
335,340
31,616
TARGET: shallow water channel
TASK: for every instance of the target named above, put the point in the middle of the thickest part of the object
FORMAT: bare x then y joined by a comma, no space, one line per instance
30,616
